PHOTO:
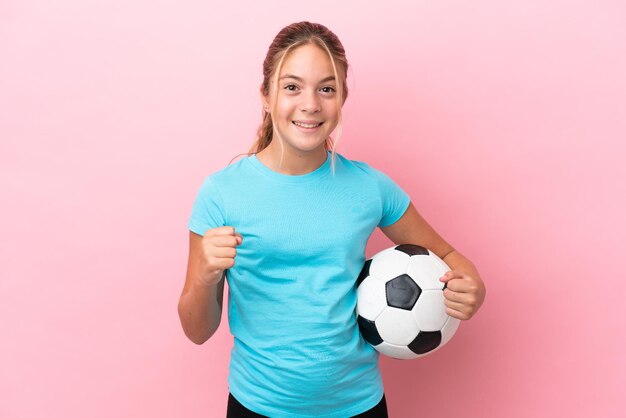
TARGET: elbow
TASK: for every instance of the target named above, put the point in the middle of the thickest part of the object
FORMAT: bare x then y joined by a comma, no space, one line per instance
198,333
198,324
197,338
197,341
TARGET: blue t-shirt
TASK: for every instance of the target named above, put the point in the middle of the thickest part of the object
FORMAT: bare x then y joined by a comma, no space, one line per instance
297,347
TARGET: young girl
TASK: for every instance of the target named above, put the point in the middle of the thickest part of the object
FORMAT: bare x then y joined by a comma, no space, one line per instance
287,227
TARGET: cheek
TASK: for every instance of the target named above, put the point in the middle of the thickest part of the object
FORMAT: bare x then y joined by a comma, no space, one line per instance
332,114
284,108
331,106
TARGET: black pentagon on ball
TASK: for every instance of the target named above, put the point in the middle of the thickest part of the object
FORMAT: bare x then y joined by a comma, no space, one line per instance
369,331
365,271
425,341
412,249
402,292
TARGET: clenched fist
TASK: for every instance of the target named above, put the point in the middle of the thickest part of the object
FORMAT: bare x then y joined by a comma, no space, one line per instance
218,253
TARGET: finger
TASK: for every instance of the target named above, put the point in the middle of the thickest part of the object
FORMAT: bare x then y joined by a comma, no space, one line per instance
453,296
223,241
222,230
224,252
460,307
222,263
463,284
449,275
456,314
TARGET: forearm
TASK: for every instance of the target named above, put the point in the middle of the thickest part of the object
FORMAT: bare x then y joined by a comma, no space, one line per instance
457,261
200,310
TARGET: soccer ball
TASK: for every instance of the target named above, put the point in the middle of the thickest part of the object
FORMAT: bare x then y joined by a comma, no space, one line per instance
400,309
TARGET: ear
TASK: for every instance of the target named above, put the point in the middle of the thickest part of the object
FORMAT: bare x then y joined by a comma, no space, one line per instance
264,100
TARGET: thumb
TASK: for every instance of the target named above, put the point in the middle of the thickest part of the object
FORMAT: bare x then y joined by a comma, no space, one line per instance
446,277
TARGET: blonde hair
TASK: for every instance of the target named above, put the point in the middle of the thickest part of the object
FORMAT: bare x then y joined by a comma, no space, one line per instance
288,39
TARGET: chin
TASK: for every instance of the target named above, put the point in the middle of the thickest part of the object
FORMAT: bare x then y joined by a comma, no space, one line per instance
307,146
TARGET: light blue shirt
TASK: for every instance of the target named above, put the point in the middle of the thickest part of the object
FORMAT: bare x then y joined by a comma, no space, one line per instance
297,347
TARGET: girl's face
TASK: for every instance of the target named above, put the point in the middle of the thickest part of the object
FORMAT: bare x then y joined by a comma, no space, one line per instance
306,103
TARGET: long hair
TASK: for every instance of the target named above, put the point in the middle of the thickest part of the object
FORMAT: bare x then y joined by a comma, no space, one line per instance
289,38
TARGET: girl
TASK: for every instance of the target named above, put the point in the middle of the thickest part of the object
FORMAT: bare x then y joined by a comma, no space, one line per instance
287,227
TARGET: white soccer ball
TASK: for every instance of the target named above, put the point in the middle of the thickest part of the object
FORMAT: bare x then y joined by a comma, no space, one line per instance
400,309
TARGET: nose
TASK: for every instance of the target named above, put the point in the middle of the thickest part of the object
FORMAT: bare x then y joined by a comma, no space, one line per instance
310,102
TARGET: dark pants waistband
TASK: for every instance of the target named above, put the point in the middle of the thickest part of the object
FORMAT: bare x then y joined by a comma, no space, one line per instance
236,410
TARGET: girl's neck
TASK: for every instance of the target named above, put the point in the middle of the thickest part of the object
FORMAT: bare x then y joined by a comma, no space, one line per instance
295,163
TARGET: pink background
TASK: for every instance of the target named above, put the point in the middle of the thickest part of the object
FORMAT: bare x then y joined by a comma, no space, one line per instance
505,122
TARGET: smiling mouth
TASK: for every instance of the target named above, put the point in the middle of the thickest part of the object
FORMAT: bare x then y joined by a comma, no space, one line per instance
307,125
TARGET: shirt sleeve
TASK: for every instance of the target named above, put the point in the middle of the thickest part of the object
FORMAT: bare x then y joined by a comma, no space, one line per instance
208,209
395,200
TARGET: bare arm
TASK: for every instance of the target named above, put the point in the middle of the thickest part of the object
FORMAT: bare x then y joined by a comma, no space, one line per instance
463,297
411,228
200,305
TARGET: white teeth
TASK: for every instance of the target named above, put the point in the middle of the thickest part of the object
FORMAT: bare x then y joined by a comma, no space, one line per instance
306,125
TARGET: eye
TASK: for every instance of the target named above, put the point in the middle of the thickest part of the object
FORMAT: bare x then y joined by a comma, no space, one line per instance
288,87
332,90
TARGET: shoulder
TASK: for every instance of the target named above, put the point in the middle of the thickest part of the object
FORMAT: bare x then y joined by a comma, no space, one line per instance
221,183
228,173
361,167
353,165
381,181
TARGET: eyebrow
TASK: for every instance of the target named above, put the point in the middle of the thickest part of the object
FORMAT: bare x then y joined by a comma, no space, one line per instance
329,78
